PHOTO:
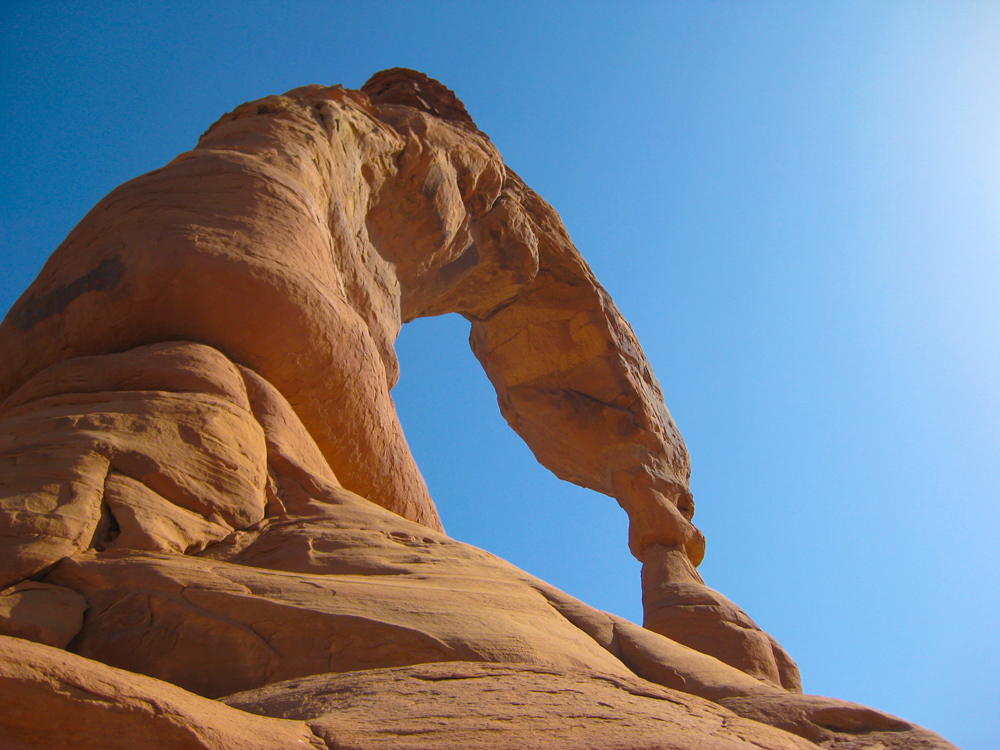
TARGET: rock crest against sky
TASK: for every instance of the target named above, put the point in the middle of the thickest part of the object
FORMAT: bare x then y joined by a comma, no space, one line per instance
205,483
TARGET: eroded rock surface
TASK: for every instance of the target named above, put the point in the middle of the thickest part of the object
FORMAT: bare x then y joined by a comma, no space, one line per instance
158,449
835,724
205,491
465,705
54,700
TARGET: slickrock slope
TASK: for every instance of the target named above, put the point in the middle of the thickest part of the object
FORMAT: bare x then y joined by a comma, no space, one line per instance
213,534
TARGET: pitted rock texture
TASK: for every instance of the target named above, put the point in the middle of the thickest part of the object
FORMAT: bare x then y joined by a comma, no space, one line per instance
205,490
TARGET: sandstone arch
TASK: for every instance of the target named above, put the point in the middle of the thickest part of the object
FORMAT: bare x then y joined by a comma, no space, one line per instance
203,480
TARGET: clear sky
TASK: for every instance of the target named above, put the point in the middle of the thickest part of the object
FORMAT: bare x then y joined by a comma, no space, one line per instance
797,207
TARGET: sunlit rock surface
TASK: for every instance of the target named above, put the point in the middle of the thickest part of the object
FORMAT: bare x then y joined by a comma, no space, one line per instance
213,533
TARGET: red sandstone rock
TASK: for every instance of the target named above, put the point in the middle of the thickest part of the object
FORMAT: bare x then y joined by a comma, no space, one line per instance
183,460
679,605
835,724
199,455
199,251
41,612
53,700
506,707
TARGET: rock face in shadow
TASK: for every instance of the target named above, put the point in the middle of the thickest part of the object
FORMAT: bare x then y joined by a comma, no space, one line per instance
208,508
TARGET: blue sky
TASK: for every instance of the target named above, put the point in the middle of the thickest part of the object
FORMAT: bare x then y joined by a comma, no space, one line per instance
797,207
